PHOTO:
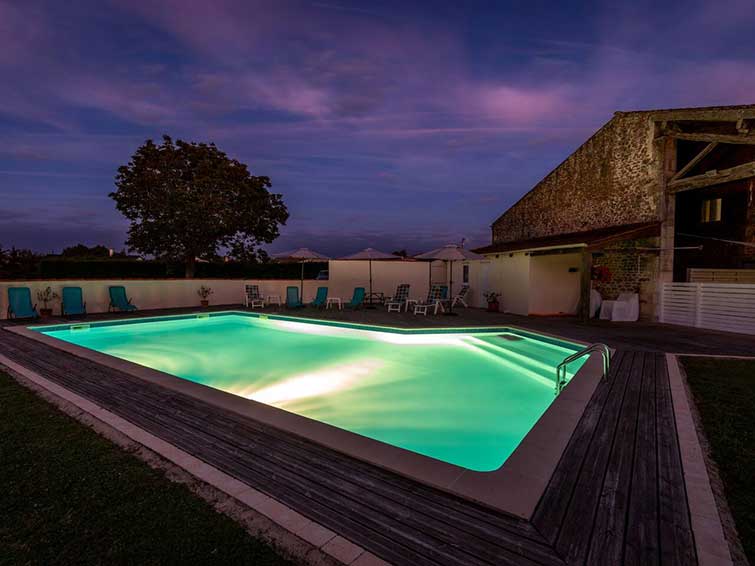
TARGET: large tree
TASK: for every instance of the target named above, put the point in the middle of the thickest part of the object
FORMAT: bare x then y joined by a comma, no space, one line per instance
187,200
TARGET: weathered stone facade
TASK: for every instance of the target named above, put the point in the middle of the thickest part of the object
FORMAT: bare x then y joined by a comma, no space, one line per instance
611,180
649,169
633,266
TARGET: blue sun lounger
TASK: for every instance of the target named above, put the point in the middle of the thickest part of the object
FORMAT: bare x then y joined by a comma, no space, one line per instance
73,302
292,298
321,299
19,303
357,299
119,300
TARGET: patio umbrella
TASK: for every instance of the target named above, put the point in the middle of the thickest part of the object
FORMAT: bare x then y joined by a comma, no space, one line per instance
450,253
302,255
369,254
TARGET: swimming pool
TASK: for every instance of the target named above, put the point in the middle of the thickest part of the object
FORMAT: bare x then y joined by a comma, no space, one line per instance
463,396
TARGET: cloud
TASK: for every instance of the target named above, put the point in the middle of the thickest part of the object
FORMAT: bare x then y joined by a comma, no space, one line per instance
408,126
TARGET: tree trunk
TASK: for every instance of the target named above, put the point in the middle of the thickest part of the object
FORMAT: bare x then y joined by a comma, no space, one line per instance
191,264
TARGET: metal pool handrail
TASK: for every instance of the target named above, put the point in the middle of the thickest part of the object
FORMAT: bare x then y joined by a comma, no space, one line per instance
597,347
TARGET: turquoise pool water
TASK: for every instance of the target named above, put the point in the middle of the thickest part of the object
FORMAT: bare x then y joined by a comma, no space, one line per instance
464,397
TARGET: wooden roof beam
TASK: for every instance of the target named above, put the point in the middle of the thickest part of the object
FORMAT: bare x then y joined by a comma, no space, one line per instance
694,161
743,138
704,115
713,178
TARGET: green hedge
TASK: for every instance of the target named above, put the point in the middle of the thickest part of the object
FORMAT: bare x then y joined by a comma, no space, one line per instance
116,269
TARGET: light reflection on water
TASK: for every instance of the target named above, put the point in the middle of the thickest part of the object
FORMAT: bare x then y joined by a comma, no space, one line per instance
468,400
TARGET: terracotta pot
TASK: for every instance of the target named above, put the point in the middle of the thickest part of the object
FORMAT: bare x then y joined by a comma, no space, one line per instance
493,307
45,312
204,304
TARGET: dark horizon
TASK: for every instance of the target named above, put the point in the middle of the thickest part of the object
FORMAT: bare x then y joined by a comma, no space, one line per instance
398,126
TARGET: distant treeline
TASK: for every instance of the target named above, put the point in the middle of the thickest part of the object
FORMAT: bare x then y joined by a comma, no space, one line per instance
25,264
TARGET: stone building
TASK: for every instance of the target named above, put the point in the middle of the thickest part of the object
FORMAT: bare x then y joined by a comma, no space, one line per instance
652,196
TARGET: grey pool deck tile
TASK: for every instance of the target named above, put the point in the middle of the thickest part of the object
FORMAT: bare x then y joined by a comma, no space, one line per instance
342,549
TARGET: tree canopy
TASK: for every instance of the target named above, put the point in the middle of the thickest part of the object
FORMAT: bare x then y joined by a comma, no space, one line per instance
186,200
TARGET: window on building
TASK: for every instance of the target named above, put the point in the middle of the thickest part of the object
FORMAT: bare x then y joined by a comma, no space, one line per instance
465,274
711,210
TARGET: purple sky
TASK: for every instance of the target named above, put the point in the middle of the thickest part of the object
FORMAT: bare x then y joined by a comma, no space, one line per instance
384,124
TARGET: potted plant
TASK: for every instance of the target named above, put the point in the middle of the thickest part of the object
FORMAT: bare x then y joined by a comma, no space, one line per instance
46,296
492,298
204,293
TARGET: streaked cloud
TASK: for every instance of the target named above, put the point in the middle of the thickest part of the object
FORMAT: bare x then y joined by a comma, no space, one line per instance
424,120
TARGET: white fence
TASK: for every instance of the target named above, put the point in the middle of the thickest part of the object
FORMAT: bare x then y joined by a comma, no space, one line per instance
718,306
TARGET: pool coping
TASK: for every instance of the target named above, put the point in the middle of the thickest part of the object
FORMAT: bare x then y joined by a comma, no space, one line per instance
710,541
515,488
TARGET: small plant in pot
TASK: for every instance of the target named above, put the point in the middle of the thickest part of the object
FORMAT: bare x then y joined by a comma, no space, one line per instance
46,296
204,294
492,298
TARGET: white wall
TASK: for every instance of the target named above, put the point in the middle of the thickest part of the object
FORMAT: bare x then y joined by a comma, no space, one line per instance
344,276
145,293
510,276
553,289
386,275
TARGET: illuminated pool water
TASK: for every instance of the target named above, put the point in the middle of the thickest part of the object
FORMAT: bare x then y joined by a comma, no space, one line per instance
467,397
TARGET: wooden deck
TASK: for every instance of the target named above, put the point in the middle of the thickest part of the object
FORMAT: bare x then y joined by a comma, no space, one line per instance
617,495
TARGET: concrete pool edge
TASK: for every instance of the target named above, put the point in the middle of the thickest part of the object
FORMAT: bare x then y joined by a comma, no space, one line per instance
710,540
515,488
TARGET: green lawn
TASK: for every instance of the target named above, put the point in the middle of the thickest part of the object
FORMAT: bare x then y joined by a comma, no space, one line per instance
68,496
724,392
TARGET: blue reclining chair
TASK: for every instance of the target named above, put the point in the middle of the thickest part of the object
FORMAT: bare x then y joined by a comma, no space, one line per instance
119,300
321,299
292,298
73,303
357,299
19,303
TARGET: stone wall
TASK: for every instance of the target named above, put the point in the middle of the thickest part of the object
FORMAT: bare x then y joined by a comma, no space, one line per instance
632,270
611,180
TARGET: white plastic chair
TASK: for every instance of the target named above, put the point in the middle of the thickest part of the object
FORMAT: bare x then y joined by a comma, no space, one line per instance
252,297
400,299
459,297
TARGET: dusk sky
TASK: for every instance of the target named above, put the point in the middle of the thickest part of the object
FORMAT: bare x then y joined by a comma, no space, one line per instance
384,124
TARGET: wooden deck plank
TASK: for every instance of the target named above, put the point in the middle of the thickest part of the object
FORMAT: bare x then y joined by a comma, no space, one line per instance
552,508
677,545
574,537
607,541
641,542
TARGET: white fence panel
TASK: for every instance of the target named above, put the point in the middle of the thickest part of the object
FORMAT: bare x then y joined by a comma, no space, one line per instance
718,306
